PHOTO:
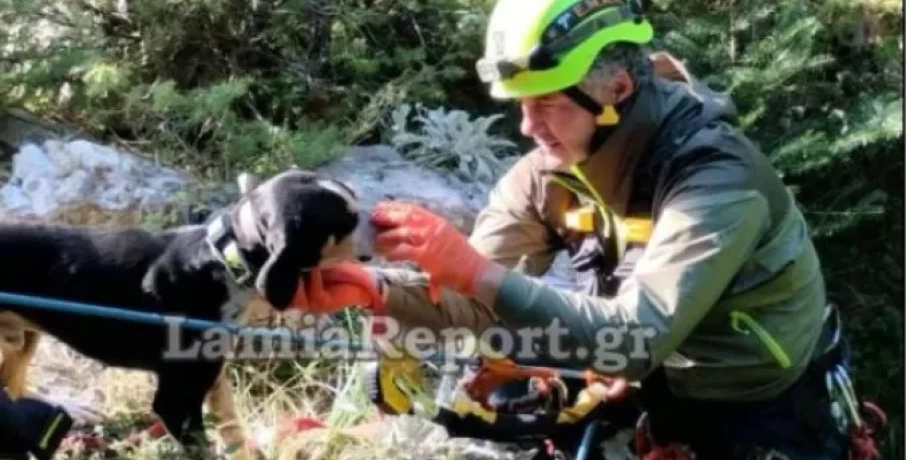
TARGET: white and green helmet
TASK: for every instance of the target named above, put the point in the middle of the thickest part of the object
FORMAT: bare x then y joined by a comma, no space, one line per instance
536,47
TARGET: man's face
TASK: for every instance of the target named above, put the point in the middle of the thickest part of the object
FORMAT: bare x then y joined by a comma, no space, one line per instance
559,126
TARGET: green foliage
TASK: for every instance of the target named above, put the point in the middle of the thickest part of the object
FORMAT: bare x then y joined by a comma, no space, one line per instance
230,84
452,140
808,100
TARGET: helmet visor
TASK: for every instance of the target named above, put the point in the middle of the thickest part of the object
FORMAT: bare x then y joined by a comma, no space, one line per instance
492,70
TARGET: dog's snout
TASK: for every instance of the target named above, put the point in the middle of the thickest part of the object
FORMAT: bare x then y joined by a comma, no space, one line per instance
364,236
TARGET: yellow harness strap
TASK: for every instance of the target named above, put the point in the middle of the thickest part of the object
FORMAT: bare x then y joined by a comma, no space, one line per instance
634,229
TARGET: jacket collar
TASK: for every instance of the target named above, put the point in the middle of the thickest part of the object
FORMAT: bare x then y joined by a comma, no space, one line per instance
609,171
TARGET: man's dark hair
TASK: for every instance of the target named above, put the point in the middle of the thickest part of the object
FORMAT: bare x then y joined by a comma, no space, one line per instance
632,57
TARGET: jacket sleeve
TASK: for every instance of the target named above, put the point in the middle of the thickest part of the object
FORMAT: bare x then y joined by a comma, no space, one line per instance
699,243
511,230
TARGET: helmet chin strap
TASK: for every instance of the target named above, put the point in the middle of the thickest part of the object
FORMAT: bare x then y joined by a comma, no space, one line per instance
607,116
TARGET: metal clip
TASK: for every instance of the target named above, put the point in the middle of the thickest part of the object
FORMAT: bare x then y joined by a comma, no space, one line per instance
841,390
838,412
420,401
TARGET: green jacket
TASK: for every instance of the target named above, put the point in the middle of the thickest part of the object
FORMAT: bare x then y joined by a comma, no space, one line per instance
725,290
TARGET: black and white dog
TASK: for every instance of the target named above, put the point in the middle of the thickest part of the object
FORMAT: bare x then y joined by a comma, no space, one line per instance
257,248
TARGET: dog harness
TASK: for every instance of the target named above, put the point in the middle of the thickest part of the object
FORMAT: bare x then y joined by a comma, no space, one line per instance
222,240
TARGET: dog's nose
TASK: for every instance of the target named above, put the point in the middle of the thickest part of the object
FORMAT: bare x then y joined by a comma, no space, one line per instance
364,236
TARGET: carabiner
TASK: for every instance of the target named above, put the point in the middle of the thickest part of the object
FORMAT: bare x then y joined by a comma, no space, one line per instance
419,399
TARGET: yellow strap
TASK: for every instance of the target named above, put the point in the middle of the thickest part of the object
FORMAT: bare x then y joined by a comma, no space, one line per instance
608,215
389,373
628,230
463,405
391,370
581,219
637,229
588,399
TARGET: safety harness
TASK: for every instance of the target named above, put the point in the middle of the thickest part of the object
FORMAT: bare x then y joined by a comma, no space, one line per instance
857,421
547,411
222,241
539,417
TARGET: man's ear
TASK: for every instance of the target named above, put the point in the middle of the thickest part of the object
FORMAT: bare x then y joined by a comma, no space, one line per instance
280,275
621,87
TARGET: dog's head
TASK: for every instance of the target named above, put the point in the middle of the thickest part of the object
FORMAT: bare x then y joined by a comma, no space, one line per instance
296,221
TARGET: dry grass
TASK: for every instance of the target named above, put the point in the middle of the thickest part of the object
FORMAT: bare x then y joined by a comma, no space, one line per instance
115,403
110,400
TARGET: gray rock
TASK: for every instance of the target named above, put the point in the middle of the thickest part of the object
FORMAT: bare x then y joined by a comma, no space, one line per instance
44,177
379,172
77,186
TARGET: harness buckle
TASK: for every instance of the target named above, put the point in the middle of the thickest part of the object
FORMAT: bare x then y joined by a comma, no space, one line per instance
223,244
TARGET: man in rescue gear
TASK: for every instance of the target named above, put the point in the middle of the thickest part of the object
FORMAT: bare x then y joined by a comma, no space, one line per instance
686,239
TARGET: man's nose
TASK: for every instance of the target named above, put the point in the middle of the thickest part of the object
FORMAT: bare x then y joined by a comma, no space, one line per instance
530,120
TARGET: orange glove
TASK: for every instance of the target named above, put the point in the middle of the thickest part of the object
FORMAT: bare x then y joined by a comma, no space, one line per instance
333,288
411,232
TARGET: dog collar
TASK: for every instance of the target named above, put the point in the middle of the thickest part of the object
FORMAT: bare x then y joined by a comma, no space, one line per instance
223,243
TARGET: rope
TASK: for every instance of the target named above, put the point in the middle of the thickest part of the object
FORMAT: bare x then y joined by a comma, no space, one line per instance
131,315
124,314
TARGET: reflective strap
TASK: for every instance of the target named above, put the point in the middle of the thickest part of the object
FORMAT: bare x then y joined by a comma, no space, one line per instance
738,318
836,333
608,215
51,430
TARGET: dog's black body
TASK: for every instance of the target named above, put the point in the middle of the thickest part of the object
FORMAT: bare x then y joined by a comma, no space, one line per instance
279,228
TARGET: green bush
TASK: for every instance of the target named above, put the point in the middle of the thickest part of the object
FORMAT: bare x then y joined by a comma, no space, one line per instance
229,84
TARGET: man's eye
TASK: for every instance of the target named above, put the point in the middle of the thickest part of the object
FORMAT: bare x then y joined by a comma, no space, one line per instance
551,108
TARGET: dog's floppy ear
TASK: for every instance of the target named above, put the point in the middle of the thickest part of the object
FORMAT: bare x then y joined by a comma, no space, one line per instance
280,275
